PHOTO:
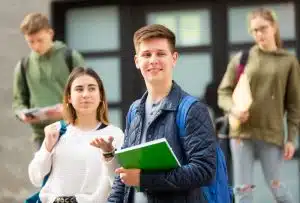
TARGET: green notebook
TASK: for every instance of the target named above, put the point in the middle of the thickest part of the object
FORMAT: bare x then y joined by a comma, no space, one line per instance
153,155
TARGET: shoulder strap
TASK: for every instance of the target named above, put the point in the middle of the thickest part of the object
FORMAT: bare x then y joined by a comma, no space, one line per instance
244,57
24,66
63,127
69,59
182,112
102,126
241,67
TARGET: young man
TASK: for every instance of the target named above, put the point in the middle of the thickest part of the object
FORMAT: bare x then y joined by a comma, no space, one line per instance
156,118
41,82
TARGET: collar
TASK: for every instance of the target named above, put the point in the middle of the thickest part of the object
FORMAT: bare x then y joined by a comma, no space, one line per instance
170,102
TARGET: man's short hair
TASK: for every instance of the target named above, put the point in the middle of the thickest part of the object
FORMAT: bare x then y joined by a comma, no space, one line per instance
154,31
33,23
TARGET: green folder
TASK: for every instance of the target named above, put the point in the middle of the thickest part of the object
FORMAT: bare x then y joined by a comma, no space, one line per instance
153,155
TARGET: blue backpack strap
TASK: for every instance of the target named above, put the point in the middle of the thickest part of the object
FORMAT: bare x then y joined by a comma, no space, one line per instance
63,127
183,109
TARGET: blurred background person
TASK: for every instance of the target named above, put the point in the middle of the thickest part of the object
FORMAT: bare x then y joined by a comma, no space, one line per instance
274,80
39,78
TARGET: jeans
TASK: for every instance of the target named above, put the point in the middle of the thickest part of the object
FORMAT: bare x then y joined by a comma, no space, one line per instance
270,156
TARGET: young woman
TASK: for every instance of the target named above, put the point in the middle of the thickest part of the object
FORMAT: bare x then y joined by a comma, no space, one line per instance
79,160
274,76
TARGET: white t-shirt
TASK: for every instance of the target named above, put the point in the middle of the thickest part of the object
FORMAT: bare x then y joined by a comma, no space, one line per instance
78,168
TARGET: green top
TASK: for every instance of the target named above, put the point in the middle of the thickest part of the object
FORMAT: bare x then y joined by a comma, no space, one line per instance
46,78
153,155
275,85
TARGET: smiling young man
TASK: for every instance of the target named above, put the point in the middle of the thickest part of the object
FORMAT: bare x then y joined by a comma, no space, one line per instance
41,81
155,118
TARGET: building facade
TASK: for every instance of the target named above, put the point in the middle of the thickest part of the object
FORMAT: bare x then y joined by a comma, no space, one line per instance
207,35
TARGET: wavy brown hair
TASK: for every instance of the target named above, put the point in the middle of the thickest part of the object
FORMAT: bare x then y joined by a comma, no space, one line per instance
69,113
268,15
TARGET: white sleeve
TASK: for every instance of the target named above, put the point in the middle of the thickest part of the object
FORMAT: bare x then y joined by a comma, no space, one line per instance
111,166
40,166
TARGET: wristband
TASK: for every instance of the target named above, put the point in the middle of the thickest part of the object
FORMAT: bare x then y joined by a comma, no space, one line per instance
109,154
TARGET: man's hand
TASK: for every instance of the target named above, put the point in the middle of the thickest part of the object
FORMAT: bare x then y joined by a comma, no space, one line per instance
129,177
55,113
105,146
28,119
51,136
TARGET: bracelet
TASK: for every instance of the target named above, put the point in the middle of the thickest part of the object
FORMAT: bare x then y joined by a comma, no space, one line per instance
109,154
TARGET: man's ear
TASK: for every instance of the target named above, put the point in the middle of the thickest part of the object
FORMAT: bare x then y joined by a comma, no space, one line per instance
51,32
136,62
175,58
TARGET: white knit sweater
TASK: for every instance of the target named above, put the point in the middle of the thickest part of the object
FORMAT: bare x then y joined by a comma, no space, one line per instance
77,167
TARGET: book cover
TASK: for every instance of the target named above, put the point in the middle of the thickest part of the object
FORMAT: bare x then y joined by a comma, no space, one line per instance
153,155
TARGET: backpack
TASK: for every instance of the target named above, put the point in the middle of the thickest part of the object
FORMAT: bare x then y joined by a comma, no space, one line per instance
35,198
24,66
218,191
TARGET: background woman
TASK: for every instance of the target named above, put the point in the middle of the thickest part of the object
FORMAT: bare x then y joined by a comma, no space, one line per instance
274,81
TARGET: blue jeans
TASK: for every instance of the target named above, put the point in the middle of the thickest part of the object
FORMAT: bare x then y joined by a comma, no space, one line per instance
270,156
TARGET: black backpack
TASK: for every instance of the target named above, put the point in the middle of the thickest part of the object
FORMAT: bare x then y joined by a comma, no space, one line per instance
24,66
